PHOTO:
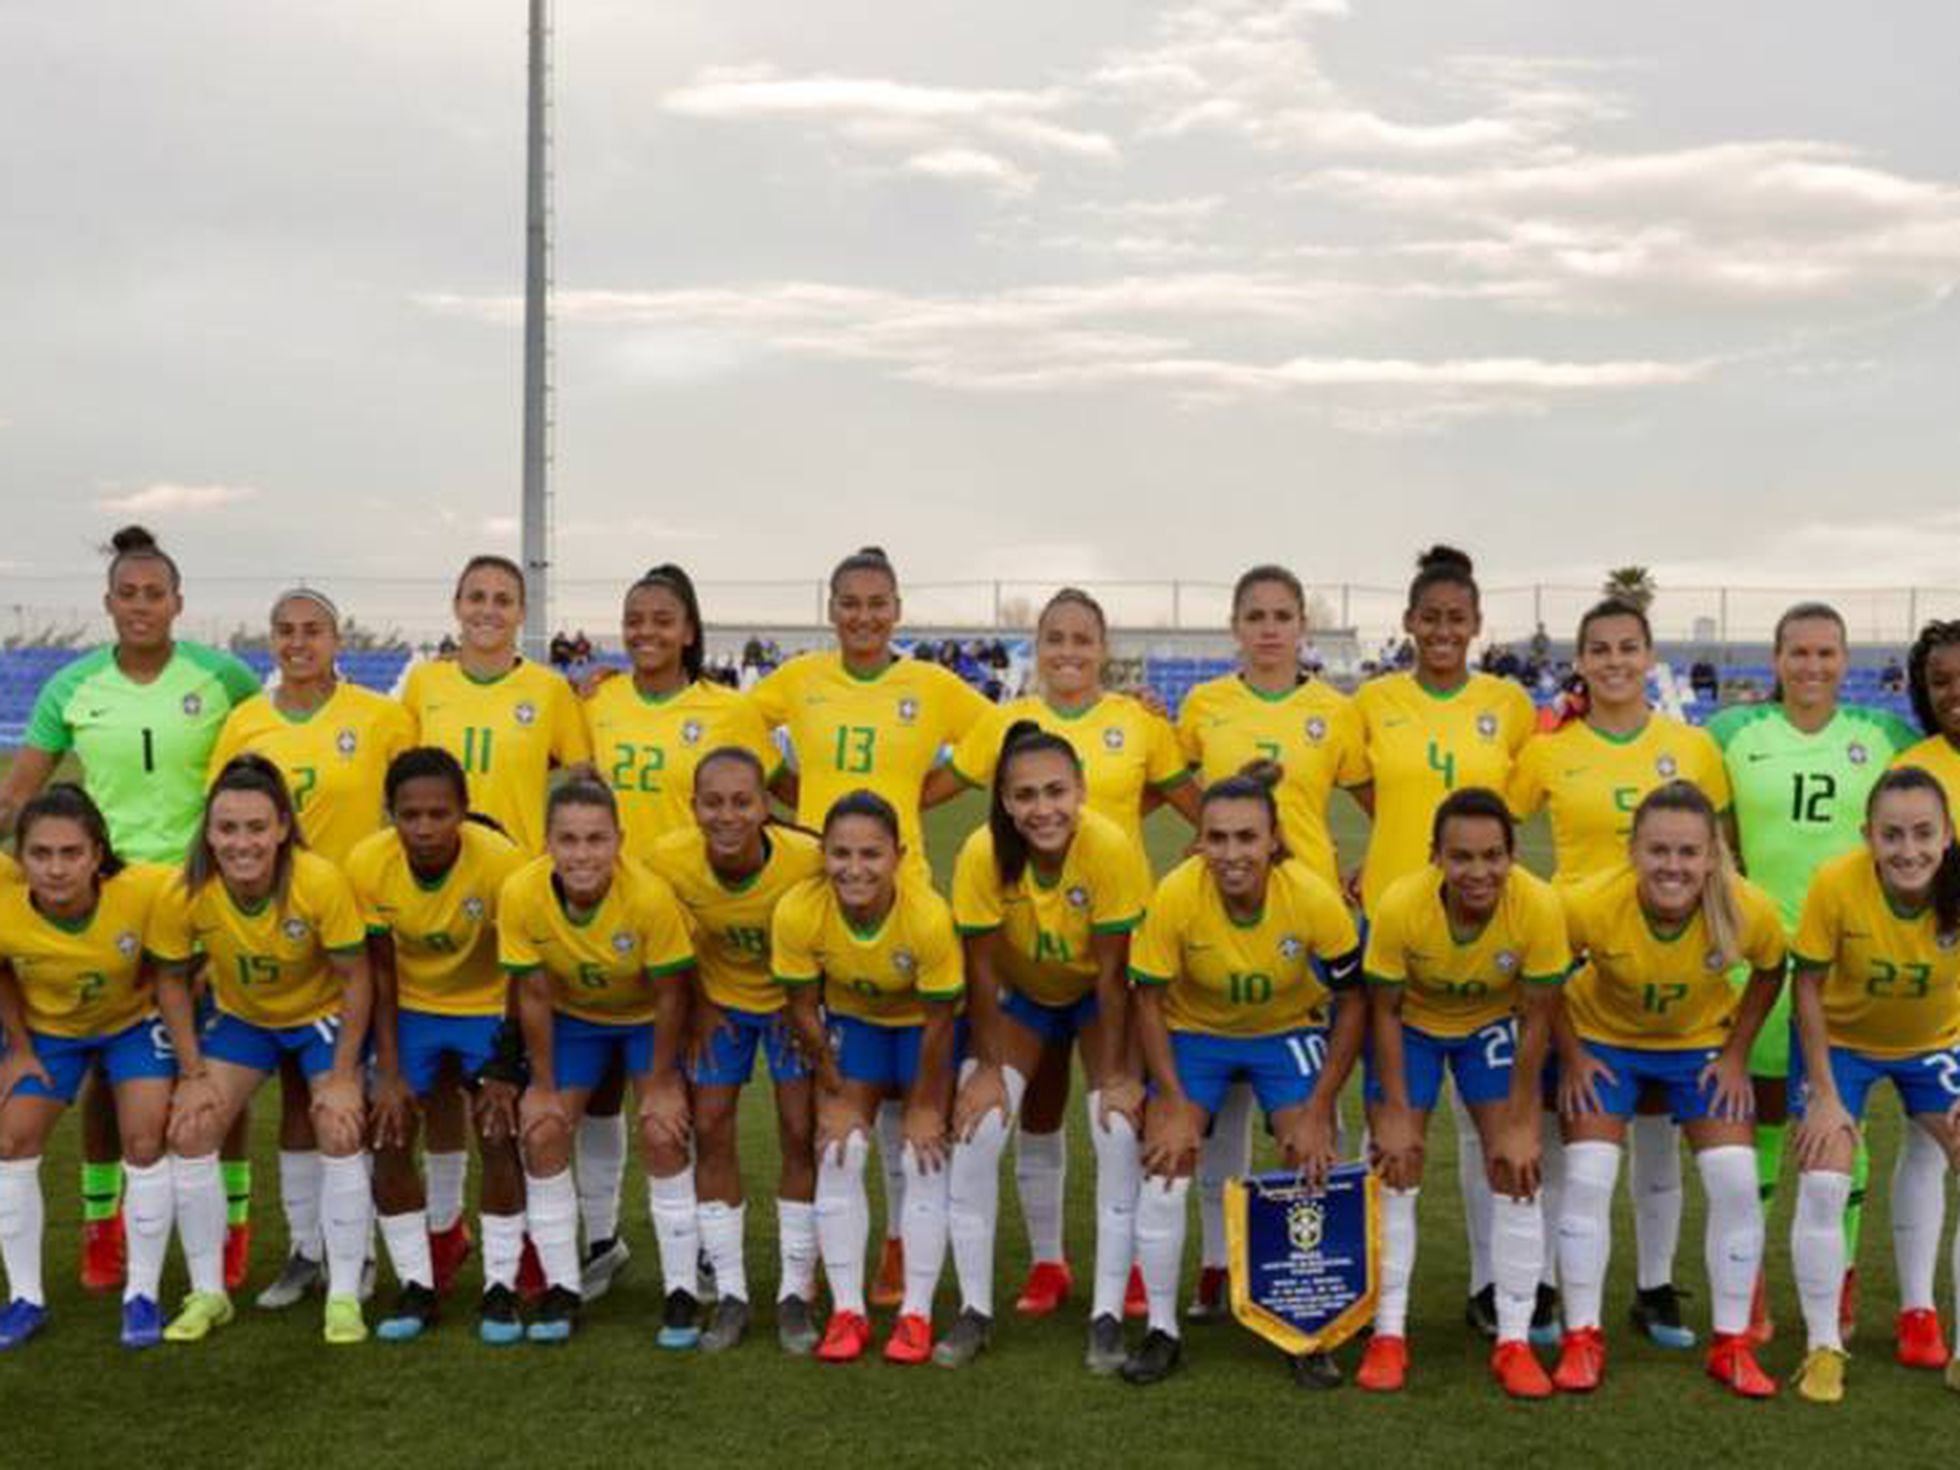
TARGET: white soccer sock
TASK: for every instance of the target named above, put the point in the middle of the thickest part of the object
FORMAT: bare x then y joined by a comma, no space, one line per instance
1735,1233
1551,1192
599,1166
407,1238
347,1221
147,1208
503,1248
924,1235
972,1210
843,1220
1517,1247
721,1241
1585,1229
551,1215
796,1243
299,1197
1473,1179
445,1175
1226,1153
677,1233
1398,1261
23,1218
1041,1180
1918,1215
1118,1173
1817,1252
1654,1177
199,1190
890,1126
1160,1246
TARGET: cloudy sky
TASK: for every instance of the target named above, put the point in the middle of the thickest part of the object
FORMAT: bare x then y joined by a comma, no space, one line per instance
1023,290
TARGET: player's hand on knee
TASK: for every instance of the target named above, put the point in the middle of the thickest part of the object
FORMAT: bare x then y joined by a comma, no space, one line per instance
982,1093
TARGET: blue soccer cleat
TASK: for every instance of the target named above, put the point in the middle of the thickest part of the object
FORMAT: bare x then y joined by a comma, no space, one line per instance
142,1323
680,1327
20,1321
1657,1312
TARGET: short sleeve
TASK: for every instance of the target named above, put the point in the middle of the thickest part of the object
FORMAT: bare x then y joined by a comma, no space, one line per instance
1188,738
963,707
1334,934
363,876
230,742
941,974
398,730
1386,959
747,729
773,694
1817,926
792,940
515,951
235,675
1363,719
1763,942
569,743
1155,953
1351,752
1164,762
1573,904
1523,716
47,726
337,918
1525,792
978,751
1122,890
663,928
1711,773
976,887
412,697
168,937
1547,951
1902,736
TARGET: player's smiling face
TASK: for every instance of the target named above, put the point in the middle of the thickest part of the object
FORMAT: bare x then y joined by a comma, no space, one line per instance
246,831
1475,859
729,808
1069,653
583,840
656,631
1943,688
1673,854
1041,791
1614,658
304,641
860,857
143,603
1909,832
1810,662
60,860
1443,624
864,610
428,818
1236,836
1268,623
489,610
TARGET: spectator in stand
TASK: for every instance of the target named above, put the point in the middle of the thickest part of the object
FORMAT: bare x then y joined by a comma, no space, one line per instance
1703,679
1893,679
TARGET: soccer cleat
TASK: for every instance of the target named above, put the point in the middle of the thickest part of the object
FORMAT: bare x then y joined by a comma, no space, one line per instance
1155,1359
728,1324
1581,1361
1544,1317
20,1320
1732,1363
1047,1288
103,1253
604,1260
1209,1304
888,1289
1820,1380
1317,1371
1762,1330
1480,1312
342,1323
845,1337
557,1317
201,1312
531,1285
1136,1300
1106,1350
680,1322
295,1279
238,1254
1518,1371
414,1314
1384,1366
966,1340
1656,1311
1921,1344
796,1327
497,1319
142,1323
1848,1305
910,1341
448,1249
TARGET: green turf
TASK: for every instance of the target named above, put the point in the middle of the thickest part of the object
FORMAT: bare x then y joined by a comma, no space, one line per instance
267,1392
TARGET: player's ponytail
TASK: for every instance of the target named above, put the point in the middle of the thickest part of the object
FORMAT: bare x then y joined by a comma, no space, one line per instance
1946,877
66,800
672,579
1934,635
1720,912
1444,566
1802,612
1254,781
1024,737
137,543
249,772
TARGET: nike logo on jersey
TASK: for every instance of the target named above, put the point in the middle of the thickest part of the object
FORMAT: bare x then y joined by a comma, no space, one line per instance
95,714
1394,720
1761,755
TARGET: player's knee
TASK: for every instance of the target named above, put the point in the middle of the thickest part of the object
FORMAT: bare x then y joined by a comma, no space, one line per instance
662,1154
547,1146
142,1141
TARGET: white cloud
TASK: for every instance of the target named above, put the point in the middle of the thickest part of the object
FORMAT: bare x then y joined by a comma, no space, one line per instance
759,92
971,164
165,498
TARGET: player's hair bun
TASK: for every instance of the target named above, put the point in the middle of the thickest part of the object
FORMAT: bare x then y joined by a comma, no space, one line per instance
132,539
1264,772
1442,558
874,553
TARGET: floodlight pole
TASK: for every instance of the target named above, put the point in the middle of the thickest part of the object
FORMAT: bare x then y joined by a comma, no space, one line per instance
537,366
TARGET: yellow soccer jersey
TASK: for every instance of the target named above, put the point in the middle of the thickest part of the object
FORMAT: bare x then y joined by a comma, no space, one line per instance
1939,758
1455,984
1312,730
647,749
9,870
507,732
1592,783
881,733
266,965
1644,989
731,923
1422,746
606,966
883,977
444,933
1046,951
334,760
1893,987
1224,978
1124,749
86,978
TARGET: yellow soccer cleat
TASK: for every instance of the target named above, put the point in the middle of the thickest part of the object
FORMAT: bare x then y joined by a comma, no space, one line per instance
202,1311
1821,1378
344,1323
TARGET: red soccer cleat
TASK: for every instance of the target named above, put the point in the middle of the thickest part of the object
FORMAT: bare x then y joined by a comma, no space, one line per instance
103,1253
1518,1371
238,1255
888,1289
845,1337
448,1249
1761,1329
1047,1288
911,1340
1921,1343
1848,1306
1136,1301
531,1284
1732,1363
1581,1361
1384,1366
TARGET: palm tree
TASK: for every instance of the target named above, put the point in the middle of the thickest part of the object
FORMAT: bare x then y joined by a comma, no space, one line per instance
1634,584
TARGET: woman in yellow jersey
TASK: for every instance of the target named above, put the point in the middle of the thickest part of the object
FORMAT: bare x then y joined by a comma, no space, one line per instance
598,952
1464,961
1228,989
1652,1003
1933,677
872,964
1045,896
427,887
1589,775
862,718
508,720
1131,760
1877,979
72,991
728,868
285,959
332,741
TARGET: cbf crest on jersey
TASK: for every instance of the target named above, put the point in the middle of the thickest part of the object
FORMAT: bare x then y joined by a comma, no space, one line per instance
1316,729
1304,1264
128,945
1078,897
473,908
908,710
1290,947
905,962
1506,961
1713,962
1856,753
294,929
1487,725
622,941
690,732
193,704
1113,738
347,742
1666,767
526,713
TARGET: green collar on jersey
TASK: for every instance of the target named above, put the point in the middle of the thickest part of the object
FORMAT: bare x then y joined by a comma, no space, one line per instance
486,680
1626,737
1664,933
655,697
866,933
68,926
1071,712
1441,694
301,716
1901,911
744,884
1270,696
890,663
